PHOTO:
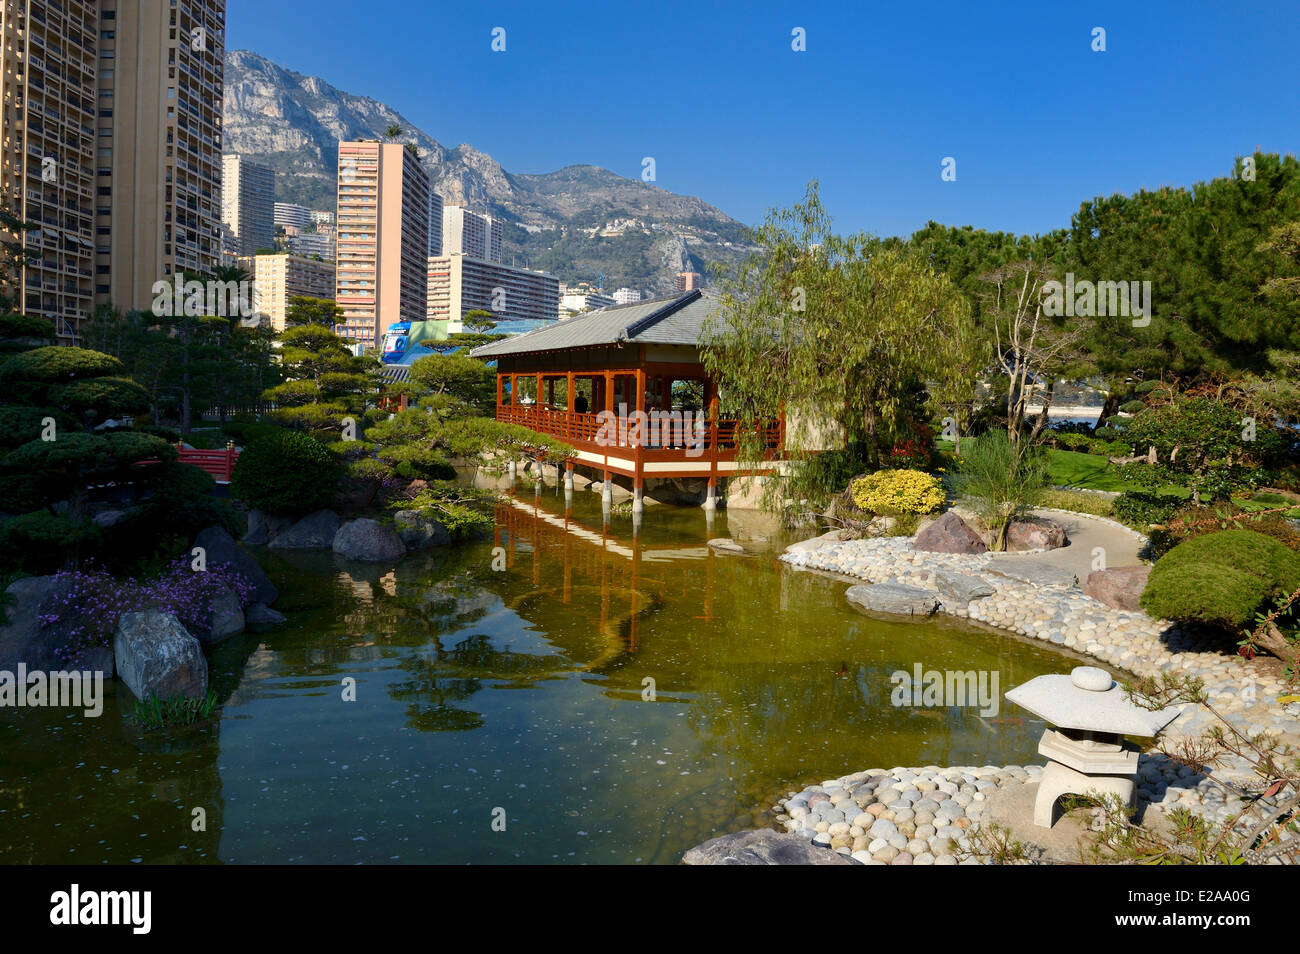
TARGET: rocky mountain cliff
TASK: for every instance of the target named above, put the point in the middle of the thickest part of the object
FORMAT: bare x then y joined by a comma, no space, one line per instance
577,223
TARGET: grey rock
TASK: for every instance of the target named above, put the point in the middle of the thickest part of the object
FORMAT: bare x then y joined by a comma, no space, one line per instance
727,545
368,540
313,532
893,598
1120,587
156,656
109,518
220,548
958,589
762,847
259,614
1027,570
419,532
949,534
226,618
24,639
263,528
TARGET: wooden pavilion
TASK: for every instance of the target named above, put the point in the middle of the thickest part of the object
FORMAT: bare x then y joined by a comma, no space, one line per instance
640,365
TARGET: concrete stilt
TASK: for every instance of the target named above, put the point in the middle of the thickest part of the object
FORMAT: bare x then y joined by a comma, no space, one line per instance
638,500
568,480
711,498
512,469
606,494
636,523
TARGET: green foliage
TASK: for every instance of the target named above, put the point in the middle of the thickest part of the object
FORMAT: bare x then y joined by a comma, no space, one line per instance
304,310
153,713
1196,438
286,473
25,326
844,334
1140,508
1078,501
1221,579
465,511
1004,479
463,378
39,542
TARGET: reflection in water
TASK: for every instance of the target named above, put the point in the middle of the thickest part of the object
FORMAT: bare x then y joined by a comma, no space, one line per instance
620,695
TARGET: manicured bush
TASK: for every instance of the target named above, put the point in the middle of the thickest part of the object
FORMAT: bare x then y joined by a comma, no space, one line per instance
1133,407
286,473
1222,579
898,492
1140,508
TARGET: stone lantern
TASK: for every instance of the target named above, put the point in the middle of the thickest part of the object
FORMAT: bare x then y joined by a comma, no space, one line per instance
1086,750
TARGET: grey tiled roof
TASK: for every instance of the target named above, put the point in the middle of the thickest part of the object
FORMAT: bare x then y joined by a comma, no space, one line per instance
677,320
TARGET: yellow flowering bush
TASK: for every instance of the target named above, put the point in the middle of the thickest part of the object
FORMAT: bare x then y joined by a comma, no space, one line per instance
898,492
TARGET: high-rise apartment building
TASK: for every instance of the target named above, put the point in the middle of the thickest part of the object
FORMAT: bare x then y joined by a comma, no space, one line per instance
689,281
468,233
293,216
248,203
382,239
626,296
277,278
435,224
158,161
111,146
460,283
313,245
47,84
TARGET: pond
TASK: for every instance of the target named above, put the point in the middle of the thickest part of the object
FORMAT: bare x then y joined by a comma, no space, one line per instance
596,696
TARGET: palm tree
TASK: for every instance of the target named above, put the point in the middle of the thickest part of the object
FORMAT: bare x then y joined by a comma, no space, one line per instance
393,131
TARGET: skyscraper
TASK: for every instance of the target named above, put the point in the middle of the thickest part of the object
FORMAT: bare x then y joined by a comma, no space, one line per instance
435,224
248,203
158,162
468,233
383,239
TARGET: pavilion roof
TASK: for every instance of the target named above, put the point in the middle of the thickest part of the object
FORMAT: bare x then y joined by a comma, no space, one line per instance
677,320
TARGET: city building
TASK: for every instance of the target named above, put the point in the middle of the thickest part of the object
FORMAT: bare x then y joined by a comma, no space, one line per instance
322,218
314,245
111,147
289,215
277,278
158,162
689,281
627,296
382,239
248,203
575,302
461,283
468,233
435,224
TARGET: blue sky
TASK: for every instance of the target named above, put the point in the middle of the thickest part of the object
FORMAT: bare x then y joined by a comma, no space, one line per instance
1035,119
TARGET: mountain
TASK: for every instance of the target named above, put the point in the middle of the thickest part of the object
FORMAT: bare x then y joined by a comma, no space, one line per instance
577,222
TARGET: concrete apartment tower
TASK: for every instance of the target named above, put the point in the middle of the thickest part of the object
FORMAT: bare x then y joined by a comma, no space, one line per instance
468,233
382,240
435,224
158,163
248,203
48,60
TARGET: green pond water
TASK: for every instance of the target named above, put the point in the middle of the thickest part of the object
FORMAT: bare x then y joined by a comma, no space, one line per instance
519,696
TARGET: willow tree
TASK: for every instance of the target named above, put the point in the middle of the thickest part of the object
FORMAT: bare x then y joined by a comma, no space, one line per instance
847,336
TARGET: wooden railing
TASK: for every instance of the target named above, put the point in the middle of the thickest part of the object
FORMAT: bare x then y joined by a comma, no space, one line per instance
219,463
663,432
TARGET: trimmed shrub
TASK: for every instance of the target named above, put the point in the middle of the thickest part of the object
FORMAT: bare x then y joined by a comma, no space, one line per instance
1140,508
898,492
1221,579
286,473
1133,407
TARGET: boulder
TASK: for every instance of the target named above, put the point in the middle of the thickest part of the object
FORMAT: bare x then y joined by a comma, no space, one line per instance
263,528
1035,533
418,531
368,540
109,518
727,545
763,847
156,656
259,614
24,639
226,618
1120,588
313,532
895,598
949,534
220,547
958,589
